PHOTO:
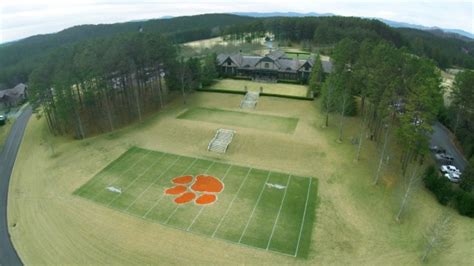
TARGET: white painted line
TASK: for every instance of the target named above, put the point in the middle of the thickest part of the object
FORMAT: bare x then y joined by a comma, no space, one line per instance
163,195
304,215
149,186
232,202
136,178
177,207
202,208
254,207
133,165
278,215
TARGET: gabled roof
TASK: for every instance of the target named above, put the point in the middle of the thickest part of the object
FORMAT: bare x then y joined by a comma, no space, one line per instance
14,92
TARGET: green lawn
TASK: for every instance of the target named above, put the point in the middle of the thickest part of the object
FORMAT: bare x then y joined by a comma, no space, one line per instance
248,211
241,119
270,88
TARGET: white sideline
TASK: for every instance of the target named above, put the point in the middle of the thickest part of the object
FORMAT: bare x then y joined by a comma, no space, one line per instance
136,178
304,215
232,202
177,207
278,215
110,184
202,208
151,184
254,207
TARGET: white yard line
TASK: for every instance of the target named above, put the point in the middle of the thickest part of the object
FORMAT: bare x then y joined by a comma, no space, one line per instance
177,207
202,208
96,195
154,182
163,195
232,202
254,207
136,178
278,215
304,215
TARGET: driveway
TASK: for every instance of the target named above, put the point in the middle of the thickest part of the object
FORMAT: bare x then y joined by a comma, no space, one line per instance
8,255
442,137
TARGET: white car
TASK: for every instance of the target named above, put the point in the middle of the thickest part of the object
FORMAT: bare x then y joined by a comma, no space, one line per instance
453,177
448,169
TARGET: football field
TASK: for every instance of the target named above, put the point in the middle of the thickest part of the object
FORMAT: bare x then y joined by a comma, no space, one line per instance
252,207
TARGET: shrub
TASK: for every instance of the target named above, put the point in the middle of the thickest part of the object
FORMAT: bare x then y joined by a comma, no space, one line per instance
440,186
465,203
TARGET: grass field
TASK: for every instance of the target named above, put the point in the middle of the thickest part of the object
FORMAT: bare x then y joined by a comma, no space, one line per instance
278,88
241,119
249,211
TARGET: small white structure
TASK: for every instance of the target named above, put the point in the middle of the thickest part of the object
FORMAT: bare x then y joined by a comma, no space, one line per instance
114,189
250,100
221,140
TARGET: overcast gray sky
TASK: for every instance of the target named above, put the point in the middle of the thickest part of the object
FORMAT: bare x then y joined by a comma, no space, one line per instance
23,18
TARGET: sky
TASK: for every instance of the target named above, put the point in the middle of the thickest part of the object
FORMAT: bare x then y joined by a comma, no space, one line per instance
23,18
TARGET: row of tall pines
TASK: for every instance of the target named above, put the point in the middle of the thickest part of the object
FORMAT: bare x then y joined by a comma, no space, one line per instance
99,85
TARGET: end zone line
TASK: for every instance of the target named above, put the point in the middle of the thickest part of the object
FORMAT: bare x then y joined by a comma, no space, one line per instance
121,174
232,202
152,183
255,207
177,207
202,208
136,178
278,215
304,216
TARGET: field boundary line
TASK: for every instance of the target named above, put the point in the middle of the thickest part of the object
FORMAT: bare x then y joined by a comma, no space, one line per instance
232,202
163,194
178,206
279,212
121,174
152,183
200,211
304,216
255,207
136,178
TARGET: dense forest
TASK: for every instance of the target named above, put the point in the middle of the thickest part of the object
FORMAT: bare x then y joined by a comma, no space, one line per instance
18,59
322,31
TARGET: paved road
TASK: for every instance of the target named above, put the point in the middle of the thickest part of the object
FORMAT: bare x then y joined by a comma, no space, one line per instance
441,137
8,255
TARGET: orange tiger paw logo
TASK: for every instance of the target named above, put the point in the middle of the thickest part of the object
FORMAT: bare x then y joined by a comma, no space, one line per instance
203,189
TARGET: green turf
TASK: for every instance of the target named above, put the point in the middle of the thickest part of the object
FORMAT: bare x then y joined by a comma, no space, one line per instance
248,211
241,119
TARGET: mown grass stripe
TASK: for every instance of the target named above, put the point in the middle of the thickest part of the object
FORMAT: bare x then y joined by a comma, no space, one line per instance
304,216
232,202
279,212
254,207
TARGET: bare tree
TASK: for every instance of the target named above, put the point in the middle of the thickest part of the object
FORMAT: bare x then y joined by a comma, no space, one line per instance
437,235
410,187
382,155
361,134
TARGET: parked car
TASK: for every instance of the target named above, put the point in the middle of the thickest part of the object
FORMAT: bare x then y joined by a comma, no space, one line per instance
449,169
3,120
444,158
437,149
453,177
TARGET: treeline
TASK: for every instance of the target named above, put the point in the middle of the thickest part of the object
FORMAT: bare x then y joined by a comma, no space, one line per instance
18,59
400,97
99,85
323,31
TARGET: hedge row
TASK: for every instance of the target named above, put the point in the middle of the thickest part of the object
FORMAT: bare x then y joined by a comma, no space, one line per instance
262,94
446,194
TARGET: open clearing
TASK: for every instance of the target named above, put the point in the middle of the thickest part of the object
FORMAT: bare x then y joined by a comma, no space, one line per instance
241,119
258,208
270,88
354,221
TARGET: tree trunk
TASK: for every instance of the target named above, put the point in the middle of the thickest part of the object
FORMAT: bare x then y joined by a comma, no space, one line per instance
379,168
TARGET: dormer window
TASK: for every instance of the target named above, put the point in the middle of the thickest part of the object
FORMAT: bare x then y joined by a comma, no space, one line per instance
267,65
229,63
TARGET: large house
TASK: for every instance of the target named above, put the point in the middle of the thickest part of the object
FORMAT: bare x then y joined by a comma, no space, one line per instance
13,96
274,66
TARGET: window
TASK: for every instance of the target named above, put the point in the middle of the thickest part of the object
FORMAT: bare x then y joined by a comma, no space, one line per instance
229,63
267,65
